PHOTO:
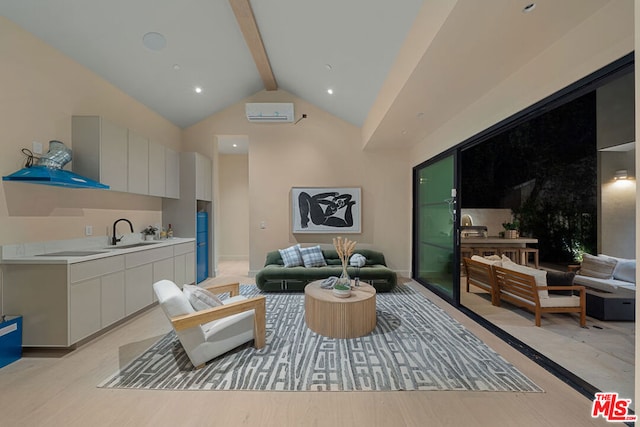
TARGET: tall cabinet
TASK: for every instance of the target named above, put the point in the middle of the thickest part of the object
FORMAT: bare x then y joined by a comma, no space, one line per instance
196,196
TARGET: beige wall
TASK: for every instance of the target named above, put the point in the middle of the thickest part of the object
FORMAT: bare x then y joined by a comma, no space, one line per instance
321,150
233,236
41,89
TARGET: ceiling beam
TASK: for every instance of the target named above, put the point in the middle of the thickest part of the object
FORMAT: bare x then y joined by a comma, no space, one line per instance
247,23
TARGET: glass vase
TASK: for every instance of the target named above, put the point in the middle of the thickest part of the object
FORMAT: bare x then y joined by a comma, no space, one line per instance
344,278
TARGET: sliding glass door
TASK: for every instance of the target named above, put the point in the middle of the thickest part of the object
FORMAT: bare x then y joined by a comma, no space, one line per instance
435,257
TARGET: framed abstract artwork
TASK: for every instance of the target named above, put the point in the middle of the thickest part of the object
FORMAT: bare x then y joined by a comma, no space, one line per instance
326,210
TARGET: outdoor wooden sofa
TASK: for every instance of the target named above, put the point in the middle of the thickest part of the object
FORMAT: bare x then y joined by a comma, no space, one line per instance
521,290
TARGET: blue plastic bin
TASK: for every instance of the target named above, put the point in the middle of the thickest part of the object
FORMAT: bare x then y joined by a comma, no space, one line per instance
10,340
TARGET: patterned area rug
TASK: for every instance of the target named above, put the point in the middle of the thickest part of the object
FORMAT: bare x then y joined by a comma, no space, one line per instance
415,346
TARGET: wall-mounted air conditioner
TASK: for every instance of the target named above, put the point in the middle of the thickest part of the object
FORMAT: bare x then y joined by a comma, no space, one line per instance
270,112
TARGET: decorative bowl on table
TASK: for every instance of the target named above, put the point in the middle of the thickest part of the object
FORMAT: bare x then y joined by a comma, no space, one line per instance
341,291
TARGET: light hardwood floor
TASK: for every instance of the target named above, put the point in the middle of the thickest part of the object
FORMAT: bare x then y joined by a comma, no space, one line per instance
61,391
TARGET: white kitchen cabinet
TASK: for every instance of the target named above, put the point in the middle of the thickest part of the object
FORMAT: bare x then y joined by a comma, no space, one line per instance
184,263
84,309
203,178
95,304
100,151
190,271
157,170
138,164
172,176
137,288
96,296
162,270
112,305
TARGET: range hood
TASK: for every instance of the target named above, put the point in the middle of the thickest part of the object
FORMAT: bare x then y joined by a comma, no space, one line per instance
48,171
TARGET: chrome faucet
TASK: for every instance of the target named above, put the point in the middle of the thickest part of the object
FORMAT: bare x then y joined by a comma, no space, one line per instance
114,239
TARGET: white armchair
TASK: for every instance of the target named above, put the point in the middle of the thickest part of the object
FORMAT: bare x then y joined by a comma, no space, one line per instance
206,334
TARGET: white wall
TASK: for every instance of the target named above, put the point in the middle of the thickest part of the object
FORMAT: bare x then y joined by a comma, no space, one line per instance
233,175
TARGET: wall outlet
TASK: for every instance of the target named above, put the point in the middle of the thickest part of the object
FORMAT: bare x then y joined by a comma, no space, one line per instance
88,230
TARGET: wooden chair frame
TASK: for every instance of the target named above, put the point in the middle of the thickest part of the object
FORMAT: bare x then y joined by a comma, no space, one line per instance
480,274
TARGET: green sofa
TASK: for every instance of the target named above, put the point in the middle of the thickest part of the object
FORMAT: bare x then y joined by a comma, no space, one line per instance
276,277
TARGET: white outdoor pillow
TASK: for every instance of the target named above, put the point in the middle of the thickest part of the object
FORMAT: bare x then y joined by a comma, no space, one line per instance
291,256
625,268
490,261
200,298
625,271
539,275
312,257
600,267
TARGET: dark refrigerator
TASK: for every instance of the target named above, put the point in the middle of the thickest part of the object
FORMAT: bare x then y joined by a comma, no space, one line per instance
202,246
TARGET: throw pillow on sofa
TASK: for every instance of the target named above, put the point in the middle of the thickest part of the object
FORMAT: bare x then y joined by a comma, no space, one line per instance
312,257
291,256
357,260
200,298
625,271
600,267
625,268
560,278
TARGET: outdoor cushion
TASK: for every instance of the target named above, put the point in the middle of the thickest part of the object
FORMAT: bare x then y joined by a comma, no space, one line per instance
560,278
560,301
600,267
539,275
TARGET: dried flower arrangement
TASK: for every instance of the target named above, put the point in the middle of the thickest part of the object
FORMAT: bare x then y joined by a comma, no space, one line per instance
345,248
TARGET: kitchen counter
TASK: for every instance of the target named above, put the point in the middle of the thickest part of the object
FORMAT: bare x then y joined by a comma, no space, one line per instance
85,286
87,250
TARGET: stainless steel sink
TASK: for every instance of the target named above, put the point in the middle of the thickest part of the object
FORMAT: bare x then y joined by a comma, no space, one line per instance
73,253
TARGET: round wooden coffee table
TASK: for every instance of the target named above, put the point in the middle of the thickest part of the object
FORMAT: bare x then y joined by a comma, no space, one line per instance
334,317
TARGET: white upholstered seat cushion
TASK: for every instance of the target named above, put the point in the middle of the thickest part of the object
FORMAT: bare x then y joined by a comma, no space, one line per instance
560,301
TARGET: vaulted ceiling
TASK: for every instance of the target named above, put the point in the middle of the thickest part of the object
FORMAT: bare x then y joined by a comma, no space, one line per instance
349,46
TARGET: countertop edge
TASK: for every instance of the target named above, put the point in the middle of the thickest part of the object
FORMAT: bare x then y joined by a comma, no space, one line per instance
108,252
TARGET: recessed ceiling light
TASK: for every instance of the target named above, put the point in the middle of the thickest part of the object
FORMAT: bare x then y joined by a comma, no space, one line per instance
198,89
330,91
235,145
154,41
176,67
528,8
